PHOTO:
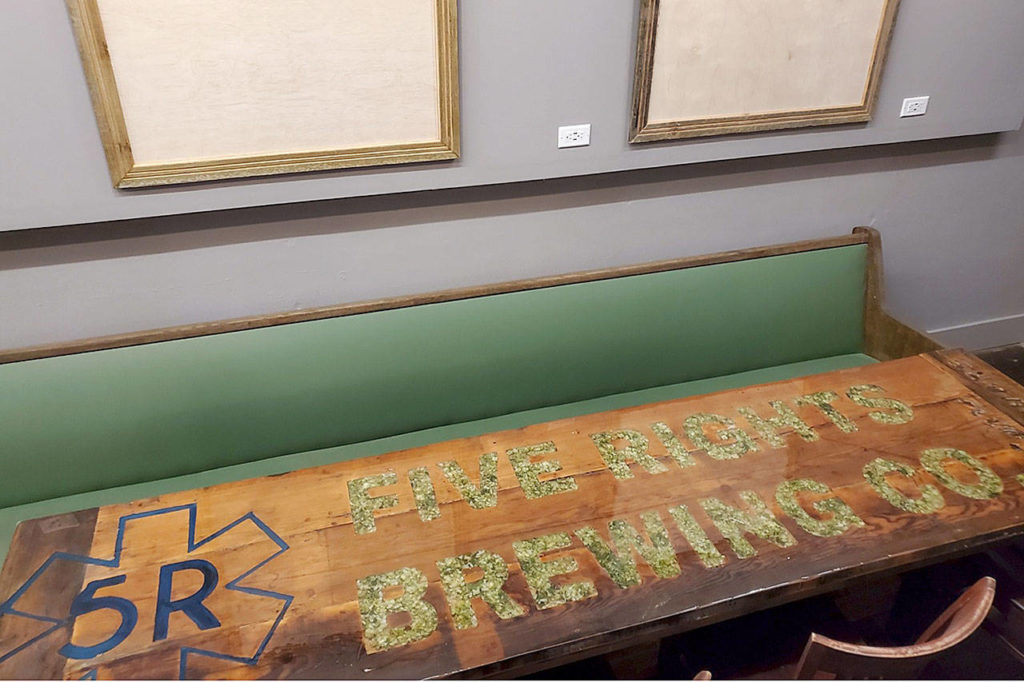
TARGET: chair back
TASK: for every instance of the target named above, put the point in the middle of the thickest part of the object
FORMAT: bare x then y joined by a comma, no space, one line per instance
826,658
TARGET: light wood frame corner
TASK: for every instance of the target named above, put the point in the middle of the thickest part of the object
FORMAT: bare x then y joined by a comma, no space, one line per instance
125,173
641,131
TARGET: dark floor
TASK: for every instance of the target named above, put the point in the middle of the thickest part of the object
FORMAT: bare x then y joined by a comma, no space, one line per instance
1007,359
893,612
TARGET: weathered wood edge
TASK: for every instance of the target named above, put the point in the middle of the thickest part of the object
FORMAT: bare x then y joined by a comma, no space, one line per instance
72,539
757,601
885,337
1005,394
643,67
344,310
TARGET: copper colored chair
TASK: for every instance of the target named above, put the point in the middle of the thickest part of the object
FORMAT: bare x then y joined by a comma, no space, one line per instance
825,659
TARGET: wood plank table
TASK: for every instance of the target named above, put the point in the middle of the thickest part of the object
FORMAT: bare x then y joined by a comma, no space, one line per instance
510,552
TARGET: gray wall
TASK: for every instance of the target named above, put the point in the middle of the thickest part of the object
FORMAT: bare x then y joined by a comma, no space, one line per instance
951,213
951,210
523,74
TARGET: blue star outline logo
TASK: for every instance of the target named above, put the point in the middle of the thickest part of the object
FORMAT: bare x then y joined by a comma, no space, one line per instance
192,606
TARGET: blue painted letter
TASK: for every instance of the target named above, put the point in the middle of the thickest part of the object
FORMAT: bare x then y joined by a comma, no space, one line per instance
192,606
86,602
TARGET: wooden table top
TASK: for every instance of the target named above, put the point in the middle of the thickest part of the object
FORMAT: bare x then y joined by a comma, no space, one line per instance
517,550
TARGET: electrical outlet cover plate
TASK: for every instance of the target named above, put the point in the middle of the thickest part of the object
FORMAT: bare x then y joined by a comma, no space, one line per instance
914,106
574,136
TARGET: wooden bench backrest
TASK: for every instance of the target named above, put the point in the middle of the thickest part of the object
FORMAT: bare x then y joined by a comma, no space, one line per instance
147,406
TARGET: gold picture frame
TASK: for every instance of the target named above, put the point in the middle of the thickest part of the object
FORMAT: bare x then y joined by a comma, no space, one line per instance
128,170
689,102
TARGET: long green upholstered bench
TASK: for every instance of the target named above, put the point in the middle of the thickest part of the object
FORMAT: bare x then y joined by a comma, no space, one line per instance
111,420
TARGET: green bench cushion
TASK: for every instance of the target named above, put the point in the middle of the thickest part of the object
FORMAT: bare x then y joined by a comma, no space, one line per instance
10,517
96,420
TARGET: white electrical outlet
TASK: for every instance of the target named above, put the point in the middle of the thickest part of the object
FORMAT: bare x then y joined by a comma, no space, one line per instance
574,136
914,106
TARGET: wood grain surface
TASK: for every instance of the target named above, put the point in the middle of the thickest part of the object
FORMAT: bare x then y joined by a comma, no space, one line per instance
412,564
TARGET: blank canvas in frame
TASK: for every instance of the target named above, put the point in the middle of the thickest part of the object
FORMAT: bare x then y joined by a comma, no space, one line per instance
711,67
191,90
